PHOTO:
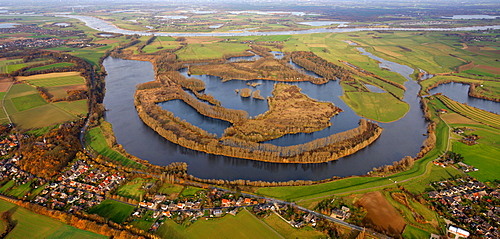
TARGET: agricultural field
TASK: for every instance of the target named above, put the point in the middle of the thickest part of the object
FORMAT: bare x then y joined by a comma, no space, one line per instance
379,210
31,225
54,79
112,210
243,225
189,191
286,231
23,103
210,50
133,189
483,155
170,189
481,116
51,66
8,66
160,43
381,107
96,140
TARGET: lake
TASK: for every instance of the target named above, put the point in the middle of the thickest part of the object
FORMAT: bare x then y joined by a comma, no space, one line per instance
400,138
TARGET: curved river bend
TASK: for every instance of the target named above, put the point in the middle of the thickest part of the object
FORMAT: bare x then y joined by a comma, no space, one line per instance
104,26
400,138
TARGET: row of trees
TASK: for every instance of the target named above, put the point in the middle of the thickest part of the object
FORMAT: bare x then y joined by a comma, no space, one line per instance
189,136
320,66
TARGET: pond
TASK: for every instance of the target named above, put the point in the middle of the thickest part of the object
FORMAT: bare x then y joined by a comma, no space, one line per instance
459,92
8,25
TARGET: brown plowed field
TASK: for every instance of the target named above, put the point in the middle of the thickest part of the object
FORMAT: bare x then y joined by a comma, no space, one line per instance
4,84
490,69
381,214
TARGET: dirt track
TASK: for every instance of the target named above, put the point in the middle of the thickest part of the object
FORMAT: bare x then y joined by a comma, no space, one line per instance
381,214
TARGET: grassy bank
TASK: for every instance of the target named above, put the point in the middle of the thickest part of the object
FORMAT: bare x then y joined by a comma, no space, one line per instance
31,225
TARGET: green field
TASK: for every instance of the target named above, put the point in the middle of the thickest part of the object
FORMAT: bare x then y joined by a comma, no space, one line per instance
51,66
210,51
78,107
168,189
133,189
382,107
19,90
415,233
58,81
8,66
483,156
287,231
189,191
31,225
243,225
20,190
112,210
96,141
478,115
23,104
45,115
145,221
27,102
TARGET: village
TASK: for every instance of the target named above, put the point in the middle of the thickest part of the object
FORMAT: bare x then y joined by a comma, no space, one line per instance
470,204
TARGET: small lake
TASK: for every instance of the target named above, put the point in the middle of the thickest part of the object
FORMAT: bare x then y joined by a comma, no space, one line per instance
470,17
459,92
62,24
211,125
173,17
105,35
216,26
374,89
8,25
323,23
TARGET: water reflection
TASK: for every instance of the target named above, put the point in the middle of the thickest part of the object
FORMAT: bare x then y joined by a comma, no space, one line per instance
459,92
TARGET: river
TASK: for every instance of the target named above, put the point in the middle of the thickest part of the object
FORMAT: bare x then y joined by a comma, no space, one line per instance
104,26
400,138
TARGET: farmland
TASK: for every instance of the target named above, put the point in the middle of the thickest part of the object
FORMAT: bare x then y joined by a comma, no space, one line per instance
381,107
243,225
285,230
133,189
51,66
32,225
113,210
23,103
470,112
54,79
398,195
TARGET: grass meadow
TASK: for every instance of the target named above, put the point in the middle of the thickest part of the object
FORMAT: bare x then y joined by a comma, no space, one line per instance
133,189
51,66
216,50
243,225
95,139
31,225
112,210
289,232
382,107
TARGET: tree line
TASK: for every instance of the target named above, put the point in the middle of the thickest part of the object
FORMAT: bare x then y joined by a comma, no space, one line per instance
320,66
